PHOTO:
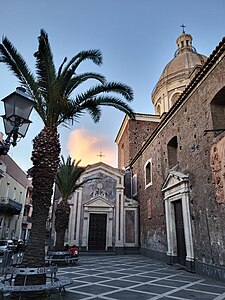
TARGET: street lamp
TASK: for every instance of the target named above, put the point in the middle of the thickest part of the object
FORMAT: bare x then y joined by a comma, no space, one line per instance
18,107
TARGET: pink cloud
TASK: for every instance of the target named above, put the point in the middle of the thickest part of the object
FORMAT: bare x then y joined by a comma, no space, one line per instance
87,146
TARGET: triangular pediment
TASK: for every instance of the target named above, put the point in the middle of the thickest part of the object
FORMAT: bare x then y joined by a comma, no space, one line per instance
173,179
98,202
103,168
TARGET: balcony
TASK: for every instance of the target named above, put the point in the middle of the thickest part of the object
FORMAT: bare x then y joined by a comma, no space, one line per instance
26,220
9,206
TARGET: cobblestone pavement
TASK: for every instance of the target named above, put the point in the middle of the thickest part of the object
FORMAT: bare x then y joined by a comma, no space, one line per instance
136,277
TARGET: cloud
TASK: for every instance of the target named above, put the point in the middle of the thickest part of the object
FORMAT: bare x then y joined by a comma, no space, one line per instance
87,146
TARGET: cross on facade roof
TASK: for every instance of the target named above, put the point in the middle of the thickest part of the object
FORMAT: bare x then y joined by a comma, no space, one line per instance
100,155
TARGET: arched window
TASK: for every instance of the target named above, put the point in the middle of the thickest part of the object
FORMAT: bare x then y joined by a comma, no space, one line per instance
174,98
172,147
218,111
148,173
158,110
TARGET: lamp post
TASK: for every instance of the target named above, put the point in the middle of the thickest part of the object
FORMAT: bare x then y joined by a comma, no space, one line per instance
18,107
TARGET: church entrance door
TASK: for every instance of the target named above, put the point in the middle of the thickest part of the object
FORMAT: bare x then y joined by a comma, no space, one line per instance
181,247
97,232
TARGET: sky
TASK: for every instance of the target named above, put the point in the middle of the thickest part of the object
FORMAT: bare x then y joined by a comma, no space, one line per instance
137,39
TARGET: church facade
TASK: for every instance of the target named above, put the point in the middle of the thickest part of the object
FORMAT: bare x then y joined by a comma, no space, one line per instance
177,169
102,218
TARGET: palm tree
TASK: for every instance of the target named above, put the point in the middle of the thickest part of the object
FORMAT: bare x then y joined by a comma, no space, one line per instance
67,181
53,92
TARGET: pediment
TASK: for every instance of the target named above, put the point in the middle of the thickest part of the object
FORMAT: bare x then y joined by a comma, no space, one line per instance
98,202
101,167
173,179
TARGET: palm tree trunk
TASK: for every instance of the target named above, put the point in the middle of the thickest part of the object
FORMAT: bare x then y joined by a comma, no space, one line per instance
60,236
45,157
62,216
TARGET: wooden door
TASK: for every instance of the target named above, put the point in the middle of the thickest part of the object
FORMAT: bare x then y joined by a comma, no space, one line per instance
181,246
97,232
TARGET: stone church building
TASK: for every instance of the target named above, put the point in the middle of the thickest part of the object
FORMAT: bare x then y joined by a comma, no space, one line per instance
102,217
178,161
167,196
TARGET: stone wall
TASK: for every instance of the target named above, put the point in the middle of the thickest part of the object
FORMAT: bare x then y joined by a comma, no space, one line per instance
134,136
187,123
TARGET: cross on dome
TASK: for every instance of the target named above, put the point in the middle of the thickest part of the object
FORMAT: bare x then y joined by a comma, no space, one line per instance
183,26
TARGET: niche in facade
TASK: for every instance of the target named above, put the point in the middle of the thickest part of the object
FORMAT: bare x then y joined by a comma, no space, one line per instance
218,111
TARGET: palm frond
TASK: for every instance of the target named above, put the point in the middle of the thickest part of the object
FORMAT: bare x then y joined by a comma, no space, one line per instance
93,105
109,87
68,175
47,82
61,66
69,70
109,101
17,65
52,91
79,79
94,55
44,64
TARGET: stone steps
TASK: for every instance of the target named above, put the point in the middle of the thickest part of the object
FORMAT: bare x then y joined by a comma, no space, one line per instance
95,252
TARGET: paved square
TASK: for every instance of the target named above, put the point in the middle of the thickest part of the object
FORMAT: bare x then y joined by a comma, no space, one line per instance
135,277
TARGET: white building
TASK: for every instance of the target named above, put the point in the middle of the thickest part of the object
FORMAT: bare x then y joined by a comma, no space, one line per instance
13,189
102,217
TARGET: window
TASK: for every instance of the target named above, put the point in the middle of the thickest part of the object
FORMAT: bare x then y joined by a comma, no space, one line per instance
134,185
174,98
148,173
172,152
158,110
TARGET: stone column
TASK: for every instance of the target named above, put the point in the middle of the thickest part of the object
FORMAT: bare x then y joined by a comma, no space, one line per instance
85,230
72,220
170,228
78,217
136,227
187,227
109,228
119,220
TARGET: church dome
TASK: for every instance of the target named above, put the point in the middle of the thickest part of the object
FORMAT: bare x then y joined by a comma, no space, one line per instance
177,74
